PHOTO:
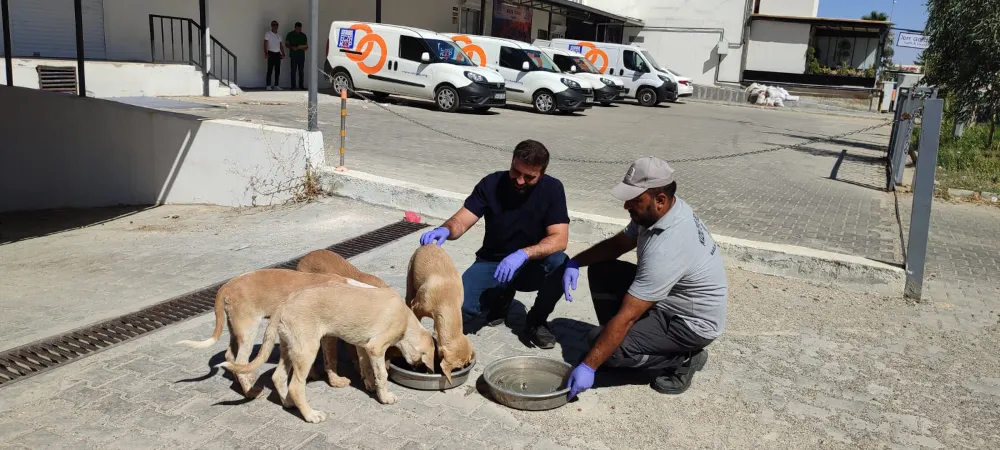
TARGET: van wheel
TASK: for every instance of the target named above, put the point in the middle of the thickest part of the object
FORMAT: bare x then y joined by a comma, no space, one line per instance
446,98
544,102
646,96
342,80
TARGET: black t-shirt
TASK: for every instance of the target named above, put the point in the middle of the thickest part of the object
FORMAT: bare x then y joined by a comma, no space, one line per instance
513,220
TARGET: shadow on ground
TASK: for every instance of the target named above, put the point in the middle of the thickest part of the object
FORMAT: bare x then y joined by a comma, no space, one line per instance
22,225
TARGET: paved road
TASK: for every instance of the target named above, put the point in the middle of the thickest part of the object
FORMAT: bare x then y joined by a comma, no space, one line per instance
783,197
799,367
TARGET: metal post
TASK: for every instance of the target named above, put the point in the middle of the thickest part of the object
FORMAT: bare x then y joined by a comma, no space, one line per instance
312,67
378,11
343,129
482,17
923,197
206,46
81,71
7,57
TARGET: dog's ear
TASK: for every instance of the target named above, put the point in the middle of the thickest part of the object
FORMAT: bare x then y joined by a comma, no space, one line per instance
446,368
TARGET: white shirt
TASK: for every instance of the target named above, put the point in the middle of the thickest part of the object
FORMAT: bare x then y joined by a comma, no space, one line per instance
273,41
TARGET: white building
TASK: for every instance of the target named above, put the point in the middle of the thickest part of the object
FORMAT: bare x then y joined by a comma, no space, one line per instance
152,47
734,41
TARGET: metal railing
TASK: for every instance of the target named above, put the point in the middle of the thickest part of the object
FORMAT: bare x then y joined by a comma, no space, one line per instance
180,40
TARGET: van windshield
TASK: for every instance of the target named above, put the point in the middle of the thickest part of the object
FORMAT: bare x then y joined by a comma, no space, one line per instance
652,62
448,52
540,61
565,63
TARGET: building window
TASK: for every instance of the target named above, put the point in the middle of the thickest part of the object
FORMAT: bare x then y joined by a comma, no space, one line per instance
543,34
411,48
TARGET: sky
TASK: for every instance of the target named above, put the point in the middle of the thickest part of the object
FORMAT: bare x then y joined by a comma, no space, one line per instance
910,14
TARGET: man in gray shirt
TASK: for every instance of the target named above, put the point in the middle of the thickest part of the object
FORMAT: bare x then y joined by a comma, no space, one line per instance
661,313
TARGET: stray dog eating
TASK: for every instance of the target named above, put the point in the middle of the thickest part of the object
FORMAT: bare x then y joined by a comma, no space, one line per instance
434,289
248,299
372,319
326,261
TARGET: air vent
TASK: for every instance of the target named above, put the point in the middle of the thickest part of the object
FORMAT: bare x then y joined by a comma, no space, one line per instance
57,79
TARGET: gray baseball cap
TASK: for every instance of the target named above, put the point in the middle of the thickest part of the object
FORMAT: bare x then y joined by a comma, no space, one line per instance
646,172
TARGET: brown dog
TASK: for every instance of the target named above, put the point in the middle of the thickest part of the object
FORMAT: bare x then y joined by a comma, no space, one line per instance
372,319
434,289
248,299
325,261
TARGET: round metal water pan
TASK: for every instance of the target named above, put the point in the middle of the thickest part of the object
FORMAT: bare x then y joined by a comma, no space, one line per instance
529,383
401,373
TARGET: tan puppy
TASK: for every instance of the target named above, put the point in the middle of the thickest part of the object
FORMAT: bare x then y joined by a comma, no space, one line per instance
434,289
248,299
373,319
325,261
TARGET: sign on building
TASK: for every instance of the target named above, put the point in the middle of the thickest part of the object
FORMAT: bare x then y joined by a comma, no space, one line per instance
913,40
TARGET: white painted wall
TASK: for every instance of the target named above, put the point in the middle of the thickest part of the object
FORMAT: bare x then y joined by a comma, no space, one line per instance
796,8
67,151
117,79
778,46
689,52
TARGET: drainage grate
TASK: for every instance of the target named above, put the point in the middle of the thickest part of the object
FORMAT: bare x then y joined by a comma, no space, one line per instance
40,356
57,79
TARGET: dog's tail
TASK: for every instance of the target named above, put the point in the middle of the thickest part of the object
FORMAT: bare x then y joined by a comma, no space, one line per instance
266,347
220,317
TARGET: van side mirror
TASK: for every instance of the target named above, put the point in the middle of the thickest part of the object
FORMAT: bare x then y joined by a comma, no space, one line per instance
572,68
525,66
425,57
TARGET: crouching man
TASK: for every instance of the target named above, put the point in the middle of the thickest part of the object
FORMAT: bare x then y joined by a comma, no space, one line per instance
660,314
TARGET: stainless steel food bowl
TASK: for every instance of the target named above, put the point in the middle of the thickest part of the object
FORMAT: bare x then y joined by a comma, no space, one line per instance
401,373
530,383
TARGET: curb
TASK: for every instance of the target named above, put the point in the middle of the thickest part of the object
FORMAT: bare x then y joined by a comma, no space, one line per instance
787,261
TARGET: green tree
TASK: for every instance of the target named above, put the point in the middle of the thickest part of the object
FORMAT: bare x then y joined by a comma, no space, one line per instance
964,55
885,64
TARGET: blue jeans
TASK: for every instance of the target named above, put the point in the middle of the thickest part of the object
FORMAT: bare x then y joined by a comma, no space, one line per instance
483,292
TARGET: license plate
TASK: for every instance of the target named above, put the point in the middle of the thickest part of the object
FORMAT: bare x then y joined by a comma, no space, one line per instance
590,99
500,96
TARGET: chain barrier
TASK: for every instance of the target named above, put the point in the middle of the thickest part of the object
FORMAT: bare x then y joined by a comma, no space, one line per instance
601,161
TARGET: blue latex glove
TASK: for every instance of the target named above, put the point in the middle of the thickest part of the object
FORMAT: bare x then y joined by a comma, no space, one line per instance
509,265
569,278
440,234
580,380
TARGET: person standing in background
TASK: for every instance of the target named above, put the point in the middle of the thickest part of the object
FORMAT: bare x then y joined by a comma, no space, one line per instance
297,44
274,52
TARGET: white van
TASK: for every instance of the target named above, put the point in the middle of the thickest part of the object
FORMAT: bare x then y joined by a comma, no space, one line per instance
390,59
607,88
530,76
644,81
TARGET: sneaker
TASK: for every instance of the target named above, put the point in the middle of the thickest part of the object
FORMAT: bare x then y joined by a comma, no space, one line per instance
676,381
498,315
278,88
541,336
269,88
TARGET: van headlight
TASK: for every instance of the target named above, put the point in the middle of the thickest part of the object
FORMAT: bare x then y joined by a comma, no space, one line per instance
665,78
570,83
607,82
475,77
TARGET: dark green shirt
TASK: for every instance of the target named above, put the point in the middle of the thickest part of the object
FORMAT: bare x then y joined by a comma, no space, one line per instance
296,38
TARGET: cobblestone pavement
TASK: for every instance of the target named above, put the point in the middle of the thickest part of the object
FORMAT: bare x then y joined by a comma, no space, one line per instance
783,197
800,366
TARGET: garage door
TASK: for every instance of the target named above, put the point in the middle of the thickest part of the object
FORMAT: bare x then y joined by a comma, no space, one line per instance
46,28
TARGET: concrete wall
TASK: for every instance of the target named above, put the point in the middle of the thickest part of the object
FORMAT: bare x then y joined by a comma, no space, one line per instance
116,79
684,34
778,47
64,151
796,8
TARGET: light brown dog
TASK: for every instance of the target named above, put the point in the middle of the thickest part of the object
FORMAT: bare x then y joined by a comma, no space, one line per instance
434,289
326,261
372,319
248,299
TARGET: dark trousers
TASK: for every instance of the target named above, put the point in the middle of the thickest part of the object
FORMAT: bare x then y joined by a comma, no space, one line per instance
273,65
483,292
298,66
657,341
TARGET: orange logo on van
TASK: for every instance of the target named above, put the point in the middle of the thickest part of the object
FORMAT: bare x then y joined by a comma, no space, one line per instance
471,49
365,45
595,53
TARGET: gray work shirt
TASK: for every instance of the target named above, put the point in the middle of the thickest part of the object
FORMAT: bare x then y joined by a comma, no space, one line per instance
680,268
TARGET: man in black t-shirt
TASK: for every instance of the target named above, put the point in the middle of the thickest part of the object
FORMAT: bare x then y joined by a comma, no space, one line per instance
527,231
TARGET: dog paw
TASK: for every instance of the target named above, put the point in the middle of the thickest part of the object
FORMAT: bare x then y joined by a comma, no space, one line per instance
337,381
388,398
315,416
